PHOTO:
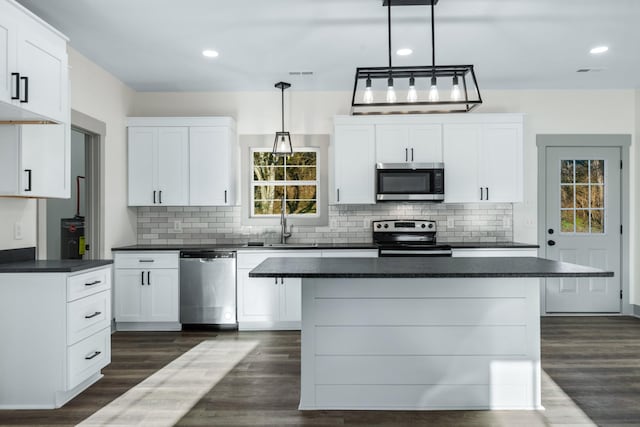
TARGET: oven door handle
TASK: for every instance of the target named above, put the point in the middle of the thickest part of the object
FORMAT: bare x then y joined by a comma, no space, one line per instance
442,252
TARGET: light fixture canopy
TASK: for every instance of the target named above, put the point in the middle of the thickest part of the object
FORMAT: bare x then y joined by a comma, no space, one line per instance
463,97
282,142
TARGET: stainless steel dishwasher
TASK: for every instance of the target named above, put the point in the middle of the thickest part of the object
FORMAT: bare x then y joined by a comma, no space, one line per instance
208,288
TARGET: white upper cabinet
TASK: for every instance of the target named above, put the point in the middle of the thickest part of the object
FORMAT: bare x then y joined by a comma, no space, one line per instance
34,75
34,161
182,161
483,163
409,143
354,154
212,156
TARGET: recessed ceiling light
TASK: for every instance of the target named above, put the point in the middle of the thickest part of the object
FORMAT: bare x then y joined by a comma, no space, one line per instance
210,53
599,49
404,52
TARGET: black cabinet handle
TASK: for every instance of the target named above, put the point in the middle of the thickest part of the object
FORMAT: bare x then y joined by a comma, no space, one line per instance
487,192
406,154
551,243
412,154
95,282
154,197
142,278
282,281
26,90
338,193
550,231
17,82
146,260
481,193
91,316
225,196
28,171
149,278
275,280
95,354
160,196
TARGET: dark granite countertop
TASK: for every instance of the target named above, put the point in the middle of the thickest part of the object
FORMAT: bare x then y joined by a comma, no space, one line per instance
52,266
426,267
303,246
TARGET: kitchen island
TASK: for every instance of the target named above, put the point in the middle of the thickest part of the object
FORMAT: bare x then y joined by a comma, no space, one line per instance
420,334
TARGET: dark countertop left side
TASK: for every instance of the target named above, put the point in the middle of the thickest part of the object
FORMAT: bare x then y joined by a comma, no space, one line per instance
23,261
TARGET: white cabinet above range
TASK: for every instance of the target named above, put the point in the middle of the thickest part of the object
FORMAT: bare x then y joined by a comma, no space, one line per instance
182,161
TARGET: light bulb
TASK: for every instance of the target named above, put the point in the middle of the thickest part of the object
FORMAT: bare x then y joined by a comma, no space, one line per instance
282,145
368,93
434,96
456,95
391,92
412,95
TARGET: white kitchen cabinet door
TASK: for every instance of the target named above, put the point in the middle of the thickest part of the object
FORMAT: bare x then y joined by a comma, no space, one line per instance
172,166
290,299
425,143
211,166
8,25
392,144
129,289
161,295
462,163
501,171
258,298
35,161
43,66
354,164
141,166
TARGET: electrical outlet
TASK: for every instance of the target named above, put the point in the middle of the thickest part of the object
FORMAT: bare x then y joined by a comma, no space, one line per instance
177,225
451,223
17,231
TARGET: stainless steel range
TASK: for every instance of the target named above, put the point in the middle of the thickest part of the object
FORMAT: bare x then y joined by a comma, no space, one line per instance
413,238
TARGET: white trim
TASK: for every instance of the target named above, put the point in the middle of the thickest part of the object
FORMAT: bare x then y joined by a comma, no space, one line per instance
182,121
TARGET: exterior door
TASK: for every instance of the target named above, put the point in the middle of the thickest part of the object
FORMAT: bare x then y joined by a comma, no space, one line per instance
583,221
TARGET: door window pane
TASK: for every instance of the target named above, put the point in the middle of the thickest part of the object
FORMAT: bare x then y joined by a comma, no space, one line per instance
582,196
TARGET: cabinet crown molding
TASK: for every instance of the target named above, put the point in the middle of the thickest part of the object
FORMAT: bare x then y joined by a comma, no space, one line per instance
182,121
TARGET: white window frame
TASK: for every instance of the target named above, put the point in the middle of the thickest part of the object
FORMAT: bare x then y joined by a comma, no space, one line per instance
285,183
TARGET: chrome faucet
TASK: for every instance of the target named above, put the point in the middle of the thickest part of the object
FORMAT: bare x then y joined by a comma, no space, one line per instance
283,223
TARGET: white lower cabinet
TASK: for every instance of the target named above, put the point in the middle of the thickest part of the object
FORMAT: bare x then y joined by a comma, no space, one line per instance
147,291
58,337
494,252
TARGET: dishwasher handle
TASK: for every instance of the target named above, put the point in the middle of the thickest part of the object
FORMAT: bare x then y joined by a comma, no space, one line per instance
207,256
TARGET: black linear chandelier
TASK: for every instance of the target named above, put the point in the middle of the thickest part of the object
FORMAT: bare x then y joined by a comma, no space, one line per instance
441,97
282,143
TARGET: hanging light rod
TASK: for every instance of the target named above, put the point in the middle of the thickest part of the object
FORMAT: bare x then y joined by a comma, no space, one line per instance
282,142
431,88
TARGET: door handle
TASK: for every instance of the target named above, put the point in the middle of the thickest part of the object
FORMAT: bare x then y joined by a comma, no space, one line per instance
148,278
225,196
406,154
551,242
275,280
487,188
17,82
282,281
28,171
26,90
338,193
412,154
160,197
142,278
154,197
481,194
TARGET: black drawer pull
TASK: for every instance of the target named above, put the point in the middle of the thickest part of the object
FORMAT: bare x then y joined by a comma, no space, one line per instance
95,354
26,90
91,316
146,260
95,282
28,171
17,76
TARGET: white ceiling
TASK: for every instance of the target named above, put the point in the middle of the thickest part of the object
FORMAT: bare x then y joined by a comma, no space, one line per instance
155,45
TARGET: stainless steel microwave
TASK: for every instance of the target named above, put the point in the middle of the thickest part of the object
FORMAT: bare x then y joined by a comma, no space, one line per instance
410,181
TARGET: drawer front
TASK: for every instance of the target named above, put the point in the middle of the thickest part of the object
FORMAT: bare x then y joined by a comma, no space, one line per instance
147,260
252,259
498,252
89,283
350,253
87,357
87,316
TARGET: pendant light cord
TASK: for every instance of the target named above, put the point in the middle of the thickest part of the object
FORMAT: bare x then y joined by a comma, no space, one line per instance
389,31
282,89
433,40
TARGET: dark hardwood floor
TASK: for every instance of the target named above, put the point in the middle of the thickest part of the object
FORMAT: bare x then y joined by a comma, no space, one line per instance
595,360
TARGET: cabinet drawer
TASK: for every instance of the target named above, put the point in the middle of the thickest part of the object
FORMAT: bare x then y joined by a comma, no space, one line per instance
87,357
252,259
147,260
89,283
86,316
494,252
350,253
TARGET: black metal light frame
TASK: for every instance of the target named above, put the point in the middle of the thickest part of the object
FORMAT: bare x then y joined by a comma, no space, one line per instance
470,93
282,135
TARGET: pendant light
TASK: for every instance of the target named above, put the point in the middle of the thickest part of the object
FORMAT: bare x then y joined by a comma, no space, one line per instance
464,95
282,143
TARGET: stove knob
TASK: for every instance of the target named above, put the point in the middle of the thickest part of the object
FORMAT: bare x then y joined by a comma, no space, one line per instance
386,226
423,226
378,226
430,225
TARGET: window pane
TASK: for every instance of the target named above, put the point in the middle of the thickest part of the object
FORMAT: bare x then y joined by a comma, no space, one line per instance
566,171
597,196
582,196
267,207
582,171
265,158
566,192
301,192
268,192
582,221
301,206
597,221
597,171
302,159
567,221
268,173
301,174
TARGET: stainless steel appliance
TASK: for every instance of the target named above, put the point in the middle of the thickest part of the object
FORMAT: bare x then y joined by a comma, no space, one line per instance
208,288
410,181
413,238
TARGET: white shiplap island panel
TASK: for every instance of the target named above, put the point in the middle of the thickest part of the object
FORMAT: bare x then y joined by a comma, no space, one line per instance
420,343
